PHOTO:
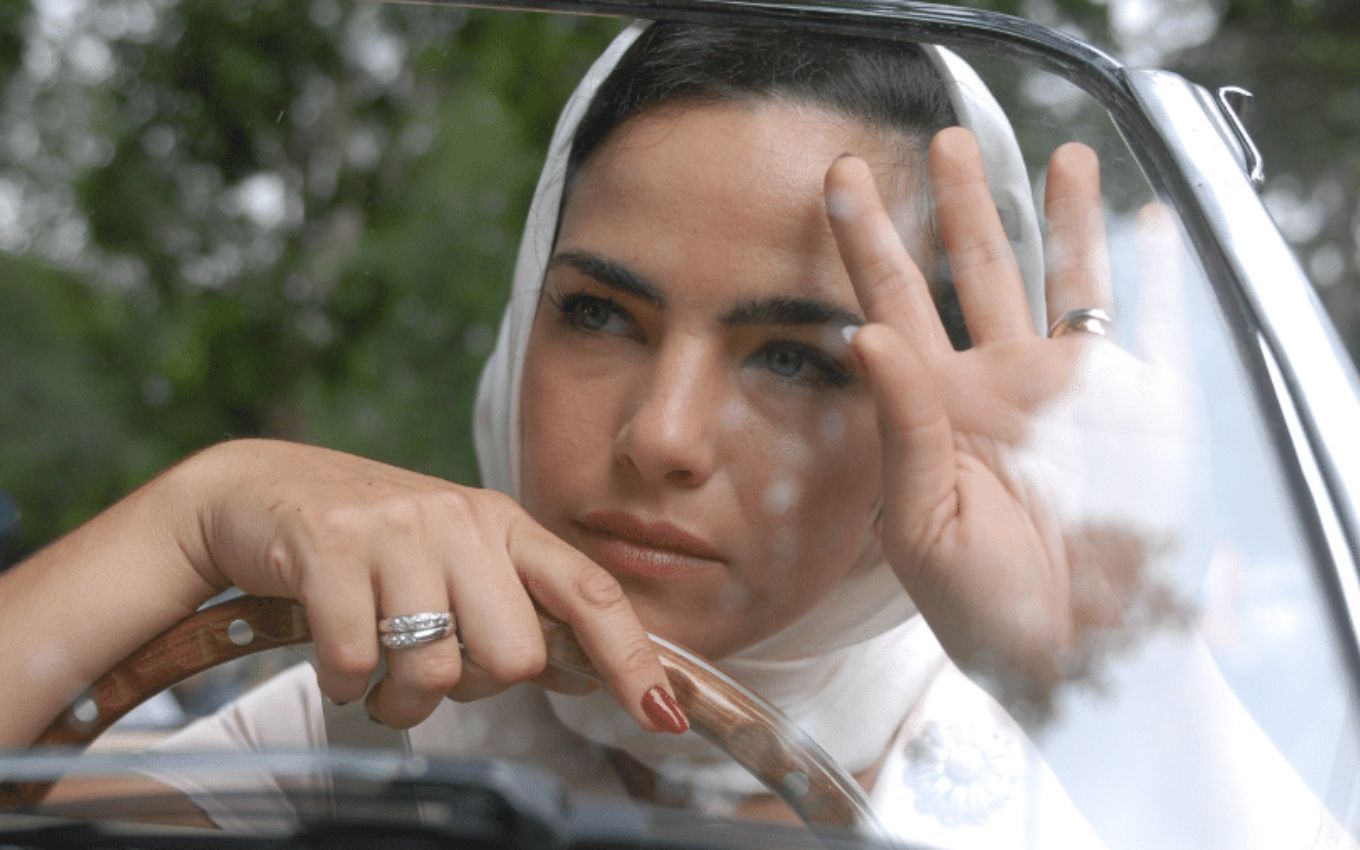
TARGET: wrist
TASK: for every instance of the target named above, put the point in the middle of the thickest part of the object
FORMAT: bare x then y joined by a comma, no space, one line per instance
183,502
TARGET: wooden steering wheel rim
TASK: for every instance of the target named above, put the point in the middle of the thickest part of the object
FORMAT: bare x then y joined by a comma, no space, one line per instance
739,722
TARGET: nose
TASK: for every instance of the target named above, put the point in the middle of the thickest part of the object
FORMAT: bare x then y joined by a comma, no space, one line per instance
667,434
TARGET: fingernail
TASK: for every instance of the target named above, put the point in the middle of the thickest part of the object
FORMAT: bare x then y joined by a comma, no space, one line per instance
841,205
844,154
661,709
848,333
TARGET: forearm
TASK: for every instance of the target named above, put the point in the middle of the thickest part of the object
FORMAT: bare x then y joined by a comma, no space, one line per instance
78,607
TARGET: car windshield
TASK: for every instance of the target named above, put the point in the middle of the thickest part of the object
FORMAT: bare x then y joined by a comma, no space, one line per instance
222,221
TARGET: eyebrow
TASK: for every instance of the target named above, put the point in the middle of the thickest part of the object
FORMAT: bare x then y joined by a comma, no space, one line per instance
774,310
790,310
611,274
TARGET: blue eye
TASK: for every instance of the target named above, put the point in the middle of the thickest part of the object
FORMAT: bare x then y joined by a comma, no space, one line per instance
802,364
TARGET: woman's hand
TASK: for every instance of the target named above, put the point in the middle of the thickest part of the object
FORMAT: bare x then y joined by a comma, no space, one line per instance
974,520
355,540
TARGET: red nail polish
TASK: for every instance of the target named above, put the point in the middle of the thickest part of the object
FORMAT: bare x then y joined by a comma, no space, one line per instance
661,709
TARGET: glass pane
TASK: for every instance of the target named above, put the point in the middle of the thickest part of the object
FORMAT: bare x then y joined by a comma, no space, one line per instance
1239,566
1084,613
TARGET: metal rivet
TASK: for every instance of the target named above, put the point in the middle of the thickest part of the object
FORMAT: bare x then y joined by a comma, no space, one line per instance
240,633
85,710
796,783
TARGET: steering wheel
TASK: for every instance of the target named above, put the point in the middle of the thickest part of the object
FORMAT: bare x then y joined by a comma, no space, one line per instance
750,730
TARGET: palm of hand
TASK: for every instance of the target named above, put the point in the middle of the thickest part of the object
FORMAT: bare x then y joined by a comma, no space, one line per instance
988,565
973,516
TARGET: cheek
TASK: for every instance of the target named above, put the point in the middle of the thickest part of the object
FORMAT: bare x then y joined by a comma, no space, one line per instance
811,498
824,461
558,428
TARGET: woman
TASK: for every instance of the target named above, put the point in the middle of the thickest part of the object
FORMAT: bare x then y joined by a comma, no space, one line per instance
694,447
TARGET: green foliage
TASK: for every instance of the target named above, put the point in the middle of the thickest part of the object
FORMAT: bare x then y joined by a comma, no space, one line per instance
1302,61
304,227
13,21
68,420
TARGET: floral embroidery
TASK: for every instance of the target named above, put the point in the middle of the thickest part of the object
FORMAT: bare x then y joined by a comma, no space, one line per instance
963,773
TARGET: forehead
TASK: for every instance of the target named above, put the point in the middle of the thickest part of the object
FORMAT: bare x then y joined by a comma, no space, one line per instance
728,195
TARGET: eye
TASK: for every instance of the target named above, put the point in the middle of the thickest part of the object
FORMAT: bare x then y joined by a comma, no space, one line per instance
784,360
802,364
594,314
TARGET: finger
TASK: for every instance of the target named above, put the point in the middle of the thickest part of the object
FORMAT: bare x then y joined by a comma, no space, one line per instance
586,597
888,283
476,683
1076,256
986,276
565,682
340,613
502,639
919,474
1161,336
412,581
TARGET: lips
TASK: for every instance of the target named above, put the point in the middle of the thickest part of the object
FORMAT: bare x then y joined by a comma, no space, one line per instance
623,543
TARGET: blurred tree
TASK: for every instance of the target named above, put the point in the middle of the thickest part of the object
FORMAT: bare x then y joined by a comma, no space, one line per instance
258,219
13,20
65,418
1301,58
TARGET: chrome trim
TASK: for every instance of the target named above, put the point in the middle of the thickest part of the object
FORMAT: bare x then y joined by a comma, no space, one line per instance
1241,245
1233,101
1333,537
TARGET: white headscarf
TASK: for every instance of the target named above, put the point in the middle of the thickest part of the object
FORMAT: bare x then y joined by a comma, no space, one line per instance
848,670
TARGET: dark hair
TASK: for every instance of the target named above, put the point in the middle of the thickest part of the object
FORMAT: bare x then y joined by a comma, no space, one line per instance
887,85
890,86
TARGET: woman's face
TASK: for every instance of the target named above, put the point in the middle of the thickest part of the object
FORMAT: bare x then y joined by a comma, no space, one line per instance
693,418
